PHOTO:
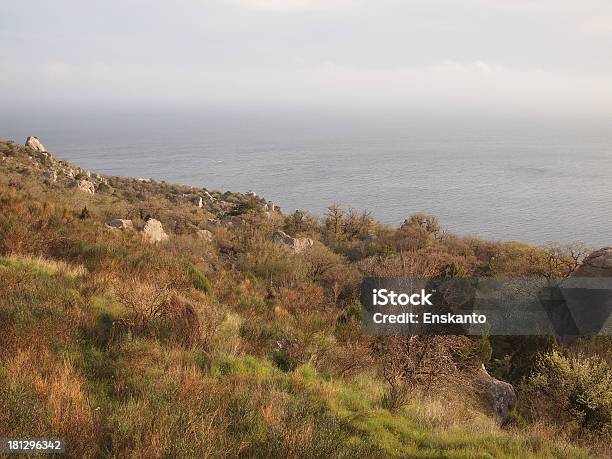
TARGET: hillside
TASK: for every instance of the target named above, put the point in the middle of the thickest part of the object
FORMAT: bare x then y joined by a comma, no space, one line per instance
144,319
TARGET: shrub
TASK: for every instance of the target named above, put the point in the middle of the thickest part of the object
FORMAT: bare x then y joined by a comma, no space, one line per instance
570,390
198,279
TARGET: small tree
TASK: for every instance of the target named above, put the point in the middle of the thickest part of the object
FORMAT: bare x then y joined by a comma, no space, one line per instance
425,222
333,221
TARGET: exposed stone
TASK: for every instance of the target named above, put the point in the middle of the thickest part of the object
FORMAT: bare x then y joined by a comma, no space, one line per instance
597,264
212,223
120,223
154,231
35,144
499,395
232,220
195,199
50,175
292,243
83,185
205,235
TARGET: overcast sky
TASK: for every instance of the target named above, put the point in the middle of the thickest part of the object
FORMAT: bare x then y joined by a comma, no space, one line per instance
489,56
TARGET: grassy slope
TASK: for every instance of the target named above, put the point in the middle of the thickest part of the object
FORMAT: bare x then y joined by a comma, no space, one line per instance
68,368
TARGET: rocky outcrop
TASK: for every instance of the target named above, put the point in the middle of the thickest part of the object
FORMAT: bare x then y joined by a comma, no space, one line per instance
35,144
294,244
153,231
498,395
597,264
204,235
83,185
120,223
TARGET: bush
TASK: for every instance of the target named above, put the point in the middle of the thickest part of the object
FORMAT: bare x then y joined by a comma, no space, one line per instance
198,279
569,390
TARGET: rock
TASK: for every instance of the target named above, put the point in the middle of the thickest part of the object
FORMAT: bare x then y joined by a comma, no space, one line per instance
205,235
83,185
195,199
597,264
212,223
153,231
499,395
50,175
119,223
35,144
292,243
232,220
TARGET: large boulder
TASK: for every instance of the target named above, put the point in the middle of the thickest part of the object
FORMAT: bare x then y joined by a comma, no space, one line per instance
83,185
35,144
120,223
153,231
294,244
597,264
498,395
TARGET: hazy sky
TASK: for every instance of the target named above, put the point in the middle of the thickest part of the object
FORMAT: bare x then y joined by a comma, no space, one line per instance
489,56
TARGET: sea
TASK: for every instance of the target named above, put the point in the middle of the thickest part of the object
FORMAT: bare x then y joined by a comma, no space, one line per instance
536,181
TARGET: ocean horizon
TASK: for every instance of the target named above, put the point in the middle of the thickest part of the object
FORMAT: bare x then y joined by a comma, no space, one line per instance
537,183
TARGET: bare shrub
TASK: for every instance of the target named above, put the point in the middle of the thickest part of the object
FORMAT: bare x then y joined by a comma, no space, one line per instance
420,362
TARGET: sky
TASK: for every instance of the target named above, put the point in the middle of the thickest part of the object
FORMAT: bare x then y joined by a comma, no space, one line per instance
543,57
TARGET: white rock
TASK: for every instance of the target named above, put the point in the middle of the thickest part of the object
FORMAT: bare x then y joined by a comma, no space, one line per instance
35,144
83,185
120,223
153,231
205,235
294,244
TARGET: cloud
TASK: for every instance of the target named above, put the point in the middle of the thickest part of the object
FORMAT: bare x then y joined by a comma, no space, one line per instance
475,87
293,5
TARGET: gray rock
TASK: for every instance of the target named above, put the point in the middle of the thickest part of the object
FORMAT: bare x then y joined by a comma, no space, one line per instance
294,244
35,144
597,264
153,231
498,395
50,175
212,223
232,220
119,223
83,185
